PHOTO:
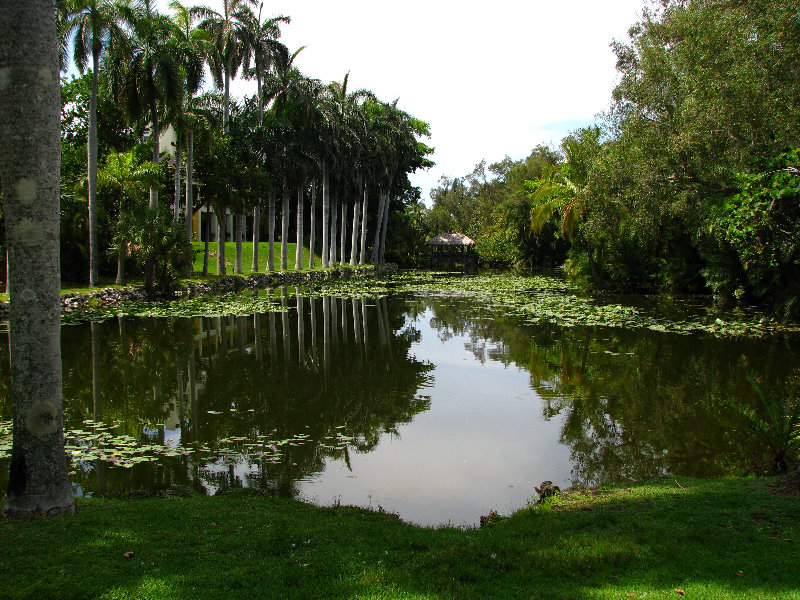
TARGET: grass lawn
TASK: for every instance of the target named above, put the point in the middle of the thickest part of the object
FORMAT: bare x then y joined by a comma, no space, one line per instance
678,538
247,257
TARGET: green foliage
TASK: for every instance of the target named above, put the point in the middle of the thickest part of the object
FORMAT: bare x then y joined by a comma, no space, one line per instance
161,247
776,419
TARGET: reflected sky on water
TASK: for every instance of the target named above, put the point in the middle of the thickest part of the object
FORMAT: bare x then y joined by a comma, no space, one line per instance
437,408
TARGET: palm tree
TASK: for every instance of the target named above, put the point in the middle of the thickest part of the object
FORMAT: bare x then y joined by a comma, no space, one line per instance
30,107
148,75
192,43
92,25
126,179
228,31
282,86
565,190
261,38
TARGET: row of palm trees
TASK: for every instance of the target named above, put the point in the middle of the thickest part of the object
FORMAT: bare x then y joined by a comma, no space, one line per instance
294,138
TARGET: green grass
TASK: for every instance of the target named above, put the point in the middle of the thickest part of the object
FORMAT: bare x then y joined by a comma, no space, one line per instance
247,257
711,539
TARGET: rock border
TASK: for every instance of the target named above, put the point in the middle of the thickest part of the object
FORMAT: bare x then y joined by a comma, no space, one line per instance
110,297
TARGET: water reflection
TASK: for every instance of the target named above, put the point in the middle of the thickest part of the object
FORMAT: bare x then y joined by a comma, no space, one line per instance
334,399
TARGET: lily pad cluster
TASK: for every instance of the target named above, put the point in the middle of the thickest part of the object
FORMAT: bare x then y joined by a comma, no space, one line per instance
541,299
98,442
226,305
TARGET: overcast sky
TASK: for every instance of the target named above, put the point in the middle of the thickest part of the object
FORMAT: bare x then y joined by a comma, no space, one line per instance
491,78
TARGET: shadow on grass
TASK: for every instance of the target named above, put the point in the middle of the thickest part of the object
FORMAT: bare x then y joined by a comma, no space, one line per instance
720,539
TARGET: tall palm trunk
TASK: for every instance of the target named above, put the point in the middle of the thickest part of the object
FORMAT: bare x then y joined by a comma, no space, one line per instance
312,225
176,205
156,150
221,224
189,193
30,109
332,252
382,251
285,229
120,279
298,253
356,216
326,209
373,259
239,232
343,235
226,105
257,207
206,237
256,235
363,257
271,231
92,170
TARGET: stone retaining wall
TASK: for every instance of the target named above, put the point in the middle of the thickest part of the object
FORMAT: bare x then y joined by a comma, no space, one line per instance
255,281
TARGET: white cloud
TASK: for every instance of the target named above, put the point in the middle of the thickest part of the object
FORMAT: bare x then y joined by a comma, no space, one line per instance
491,78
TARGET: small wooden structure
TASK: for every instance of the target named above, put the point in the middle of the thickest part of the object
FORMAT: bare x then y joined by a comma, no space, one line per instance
453,252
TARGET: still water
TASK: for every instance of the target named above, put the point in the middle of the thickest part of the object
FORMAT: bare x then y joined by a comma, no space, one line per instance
437,408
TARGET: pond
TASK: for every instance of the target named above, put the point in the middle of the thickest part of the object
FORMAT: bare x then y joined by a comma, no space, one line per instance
430,403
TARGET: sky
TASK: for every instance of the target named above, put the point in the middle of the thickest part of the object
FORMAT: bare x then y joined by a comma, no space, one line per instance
491,78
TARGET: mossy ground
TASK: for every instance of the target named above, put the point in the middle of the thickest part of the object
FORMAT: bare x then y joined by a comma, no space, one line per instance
728,538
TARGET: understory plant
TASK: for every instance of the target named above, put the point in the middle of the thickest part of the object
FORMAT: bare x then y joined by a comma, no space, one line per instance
776,419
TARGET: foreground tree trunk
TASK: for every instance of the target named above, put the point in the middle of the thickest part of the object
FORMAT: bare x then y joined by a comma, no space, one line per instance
30,146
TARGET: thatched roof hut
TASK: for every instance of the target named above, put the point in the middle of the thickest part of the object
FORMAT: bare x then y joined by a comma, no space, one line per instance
451,239
453,251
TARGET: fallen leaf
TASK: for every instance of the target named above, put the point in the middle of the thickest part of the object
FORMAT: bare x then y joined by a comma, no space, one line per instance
213,524
739,574
679,591
127,554
630,595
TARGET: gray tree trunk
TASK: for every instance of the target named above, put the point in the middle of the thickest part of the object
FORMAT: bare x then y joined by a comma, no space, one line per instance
30,155
298,254
373,259
363,257
256,235
156,151
239,229
189,194
332,253
271,232
285,229
92,171
356,217
312,225
176,205
326,210
120,280
221,223
343,236
382,251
